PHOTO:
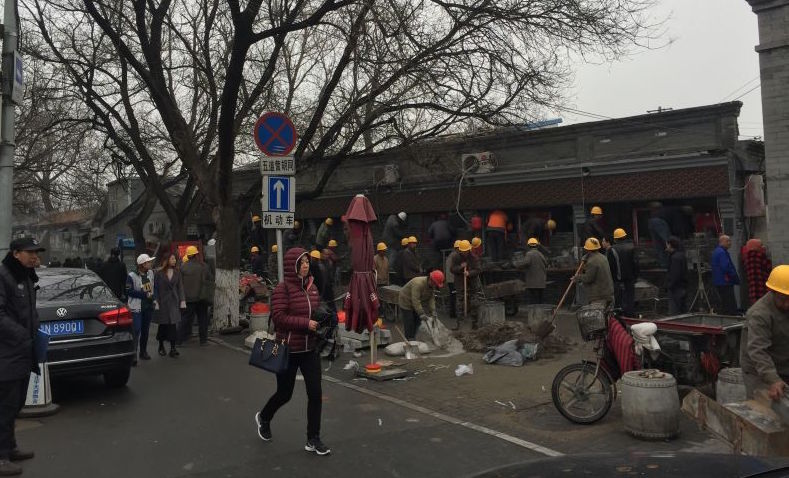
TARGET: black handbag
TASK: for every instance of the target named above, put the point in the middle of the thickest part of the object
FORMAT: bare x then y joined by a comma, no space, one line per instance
270,355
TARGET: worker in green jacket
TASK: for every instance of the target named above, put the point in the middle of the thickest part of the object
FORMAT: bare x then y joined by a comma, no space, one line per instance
417,301
596,275
764,344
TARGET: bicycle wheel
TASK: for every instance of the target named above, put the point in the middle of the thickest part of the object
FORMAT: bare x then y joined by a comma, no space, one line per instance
579,395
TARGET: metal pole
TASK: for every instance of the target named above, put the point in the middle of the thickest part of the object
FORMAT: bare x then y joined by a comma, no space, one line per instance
7,140
280,255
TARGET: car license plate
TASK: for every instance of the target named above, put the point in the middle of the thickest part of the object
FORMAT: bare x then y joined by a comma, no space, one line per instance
63,327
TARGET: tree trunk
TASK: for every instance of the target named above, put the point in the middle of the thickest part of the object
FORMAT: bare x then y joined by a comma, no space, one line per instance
137,223
228,240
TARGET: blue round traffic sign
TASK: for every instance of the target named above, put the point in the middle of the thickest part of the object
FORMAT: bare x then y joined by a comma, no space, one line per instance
275,134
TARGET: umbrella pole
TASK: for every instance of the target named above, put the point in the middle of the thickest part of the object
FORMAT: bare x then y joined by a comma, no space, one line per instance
465,294
372,346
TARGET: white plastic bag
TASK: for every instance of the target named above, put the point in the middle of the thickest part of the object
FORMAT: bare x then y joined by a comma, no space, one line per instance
464,369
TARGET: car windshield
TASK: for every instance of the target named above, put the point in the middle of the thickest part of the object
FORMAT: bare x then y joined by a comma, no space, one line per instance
72,285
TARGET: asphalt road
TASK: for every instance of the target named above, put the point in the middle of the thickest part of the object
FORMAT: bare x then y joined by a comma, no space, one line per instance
193,416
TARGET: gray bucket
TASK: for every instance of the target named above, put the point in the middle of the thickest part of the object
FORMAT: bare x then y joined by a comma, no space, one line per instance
491,312
730,387
537,314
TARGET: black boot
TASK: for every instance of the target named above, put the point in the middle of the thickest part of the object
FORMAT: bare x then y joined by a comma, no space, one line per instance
162,351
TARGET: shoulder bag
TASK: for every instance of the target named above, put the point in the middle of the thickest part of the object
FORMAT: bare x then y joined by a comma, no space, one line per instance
269,354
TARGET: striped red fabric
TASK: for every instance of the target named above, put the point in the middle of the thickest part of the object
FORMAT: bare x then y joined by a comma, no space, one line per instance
621,343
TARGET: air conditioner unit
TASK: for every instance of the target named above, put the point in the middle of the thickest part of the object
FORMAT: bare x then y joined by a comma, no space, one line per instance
388,175
479,163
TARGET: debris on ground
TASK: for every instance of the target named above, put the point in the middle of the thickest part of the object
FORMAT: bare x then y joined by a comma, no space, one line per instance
351,365
482,339
511,353
464,369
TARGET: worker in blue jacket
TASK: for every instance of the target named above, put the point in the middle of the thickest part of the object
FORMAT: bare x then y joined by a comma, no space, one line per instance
724,276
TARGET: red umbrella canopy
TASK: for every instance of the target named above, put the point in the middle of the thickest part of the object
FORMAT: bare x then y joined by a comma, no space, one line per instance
361,301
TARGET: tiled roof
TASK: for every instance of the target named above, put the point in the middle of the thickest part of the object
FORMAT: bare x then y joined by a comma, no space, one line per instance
666,184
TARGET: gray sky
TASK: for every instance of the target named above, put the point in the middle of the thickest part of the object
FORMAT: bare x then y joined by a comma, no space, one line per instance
710,55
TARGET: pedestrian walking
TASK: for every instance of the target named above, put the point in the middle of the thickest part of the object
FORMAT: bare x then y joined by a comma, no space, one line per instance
536,272
18,326
169,299
724,275
497,227
113,273
196,278
139,290
596,275
624,270
466,269
677,278
417,301
409,262
757,269
293,303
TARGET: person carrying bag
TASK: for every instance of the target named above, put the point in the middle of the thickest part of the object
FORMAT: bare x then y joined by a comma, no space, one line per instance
294,305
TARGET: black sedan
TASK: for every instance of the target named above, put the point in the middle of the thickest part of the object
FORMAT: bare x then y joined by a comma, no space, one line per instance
90,329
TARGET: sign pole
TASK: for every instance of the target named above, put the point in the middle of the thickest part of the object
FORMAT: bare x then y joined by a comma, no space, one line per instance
7,117
280,255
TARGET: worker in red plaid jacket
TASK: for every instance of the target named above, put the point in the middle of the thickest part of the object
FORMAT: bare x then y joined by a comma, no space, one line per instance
757,268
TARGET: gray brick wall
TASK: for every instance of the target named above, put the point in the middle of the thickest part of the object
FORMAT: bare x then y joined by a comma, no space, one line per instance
773,50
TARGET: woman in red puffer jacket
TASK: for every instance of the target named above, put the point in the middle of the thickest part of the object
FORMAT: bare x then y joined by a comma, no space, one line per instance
292,305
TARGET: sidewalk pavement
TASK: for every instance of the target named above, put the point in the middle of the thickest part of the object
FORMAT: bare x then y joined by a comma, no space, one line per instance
512,400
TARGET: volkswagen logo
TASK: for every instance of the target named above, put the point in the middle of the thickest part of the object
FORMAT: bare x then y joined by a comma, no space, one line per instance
61,312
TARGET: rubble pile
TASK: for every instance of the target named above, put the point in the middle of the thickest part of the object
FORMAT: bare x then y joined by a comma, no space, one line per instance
482,339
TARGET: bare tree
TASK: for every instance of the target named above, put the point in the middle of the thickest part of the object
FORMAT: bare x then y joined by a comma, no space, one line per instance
356,75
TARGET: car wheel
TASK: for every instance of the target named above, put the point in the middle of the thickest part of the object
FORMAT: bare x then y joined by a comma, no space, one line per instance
117,378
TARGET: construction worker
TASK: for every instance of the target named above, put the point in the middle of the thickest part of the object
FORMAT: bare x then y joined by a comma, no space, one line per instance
332,259
409,261
465,267
536,266
624,270
595,275
272,263
594,226
497,228
450,278
321,274
381,264
476,247
196,276
257,262
764,345
417,301
441,234
396,263
394,230
322,236
257,235
292,237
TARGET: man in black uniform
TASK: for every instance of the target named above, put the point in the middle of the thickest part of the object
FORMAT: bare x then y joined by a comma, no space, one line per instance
18,326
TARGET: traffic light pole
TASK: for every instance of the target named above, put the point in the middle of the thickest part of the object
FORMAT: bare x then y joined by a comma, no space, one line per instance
7,132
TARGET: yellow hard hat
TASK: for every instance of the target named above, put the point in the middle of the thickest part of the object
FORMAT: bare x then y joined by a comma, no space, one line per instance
255,249
329,221
456,244
532,241
404,241
592,244
315,254
255,218
412,240
779,280
476,242
551,224
296,224
619,233
464,246
191,251
185,259
597,210
380,247
332,243
274,248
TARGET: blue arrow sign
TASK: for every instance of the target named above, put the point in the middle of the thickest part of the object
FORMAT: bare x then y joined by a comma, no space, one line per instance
278,193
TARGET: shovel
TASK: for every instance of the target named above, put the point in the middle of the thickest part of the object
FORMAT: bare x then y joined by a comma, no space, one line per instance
546,327
411,351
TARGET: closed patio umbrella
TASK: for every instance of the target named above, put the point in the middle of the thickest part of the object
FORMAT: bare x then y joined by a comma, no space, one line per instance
361,301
